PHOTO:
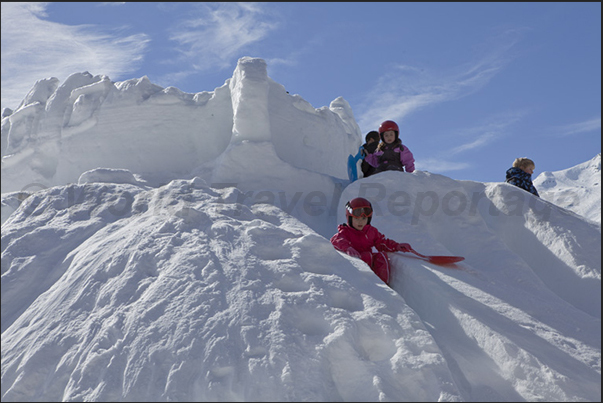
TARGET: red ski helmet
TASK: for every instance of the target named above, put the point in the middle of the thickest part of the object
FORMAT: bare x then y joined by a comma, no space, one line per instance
388,125
358,207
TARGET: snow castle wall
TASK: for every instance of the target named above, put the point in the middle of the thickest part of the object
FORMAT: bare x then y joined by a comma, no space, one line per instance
89,122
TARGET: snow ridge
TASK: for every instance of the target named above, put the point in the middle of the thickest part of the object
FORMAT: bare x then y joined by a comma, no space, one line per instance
577,189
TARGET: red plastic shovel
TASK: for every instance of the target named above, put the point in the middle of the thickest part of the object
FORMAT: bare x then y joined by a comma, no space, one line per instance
439,259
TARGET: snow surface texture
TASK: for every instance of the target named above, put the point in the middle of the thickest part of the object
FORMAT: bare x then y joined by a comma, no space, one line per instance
176,249
577,188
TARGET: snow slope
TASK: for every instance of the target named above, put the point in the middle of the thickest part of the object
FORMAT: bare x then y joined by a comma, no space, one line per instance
577,189
159,273
185,295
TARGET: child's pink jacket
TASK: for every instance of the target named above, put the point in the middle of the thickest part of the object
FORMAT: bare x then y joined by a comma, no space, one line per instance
362,241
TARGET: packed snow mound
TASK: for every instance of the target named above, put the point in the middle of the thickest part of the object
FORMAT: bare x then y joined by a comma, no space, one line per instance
527,294
577,188
61,131
122,291
443,216
114,292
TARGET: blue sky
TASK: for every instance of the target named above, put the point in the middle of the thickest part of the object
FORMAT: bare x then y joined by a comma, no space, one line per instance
471,85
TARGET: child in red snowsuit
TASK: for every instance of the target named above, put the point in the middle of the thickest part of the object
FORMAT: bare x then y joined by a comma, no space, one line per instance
357,238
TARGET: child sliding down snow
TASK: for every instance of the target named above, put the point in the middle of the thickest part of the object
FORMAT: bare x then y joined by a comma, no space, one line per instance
357,238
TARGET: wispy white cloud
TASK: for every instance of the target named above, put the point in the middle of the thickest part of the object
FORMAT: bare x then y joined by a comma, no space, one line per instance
587,126
491,129
440,165
408,88
480,141
34,48
470,139
297,55
220,32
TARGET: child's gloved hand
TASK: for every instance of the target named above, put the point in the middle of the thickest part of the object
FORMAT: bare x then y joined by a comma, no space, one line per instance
404,247
352,252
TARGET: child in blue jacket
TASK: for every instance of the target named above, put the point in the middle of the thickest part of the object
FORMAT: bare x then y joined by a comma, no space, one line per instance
520,175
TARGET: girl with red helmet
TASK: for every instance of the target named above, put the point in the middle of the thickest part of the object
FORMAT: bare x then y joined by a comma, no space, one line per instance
391,155
357,238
